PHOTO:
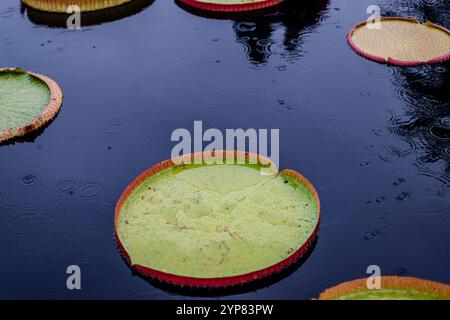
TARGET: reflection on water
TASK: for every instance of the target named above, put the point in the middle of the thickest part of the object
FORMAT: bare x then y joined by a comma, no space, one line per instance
425,122
432,10
58,20
295,19
259,31
426,119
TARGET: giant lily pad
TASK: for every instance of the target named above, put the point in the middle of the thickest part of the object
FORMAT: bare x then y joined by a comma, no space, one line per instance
215,225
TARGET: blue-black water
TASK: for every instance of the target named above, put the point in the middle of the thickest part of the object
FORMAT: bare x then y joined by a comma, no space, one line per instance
374,139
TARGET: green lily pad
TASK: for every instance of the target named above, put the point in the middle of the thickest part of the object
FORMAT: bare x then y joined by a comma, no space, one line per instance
215,221
27,101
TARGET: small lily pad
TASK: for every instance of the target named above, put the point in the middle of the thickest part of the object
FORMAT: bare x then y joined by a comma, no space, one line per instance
27,102
401,41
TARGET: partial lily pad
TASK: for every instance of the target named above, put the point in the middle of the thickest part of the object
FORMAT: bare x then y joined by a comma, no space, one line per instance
231,5
27,102
62,5
392,288
89,18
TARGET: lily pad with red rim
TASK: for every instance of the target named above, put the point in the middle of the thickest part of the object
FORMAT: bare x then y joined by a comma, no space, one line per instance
392,288
61,6
231,5
27,102
216,225
401,41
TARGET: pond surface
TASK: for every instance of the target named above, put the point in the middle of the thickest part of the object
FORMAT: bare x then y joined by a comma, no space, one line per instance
374,139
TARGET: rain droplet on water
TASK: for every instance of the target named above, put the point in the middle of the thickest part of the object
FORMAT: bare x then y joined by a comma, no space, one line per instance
445,122
382,228
398,181
66,186
369,236
90,190
29,180
114,126
440,132
246,26
402,196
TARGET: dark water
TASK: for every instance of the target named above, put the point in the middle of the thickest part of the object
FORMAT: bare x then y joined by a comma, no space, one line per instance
375,140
